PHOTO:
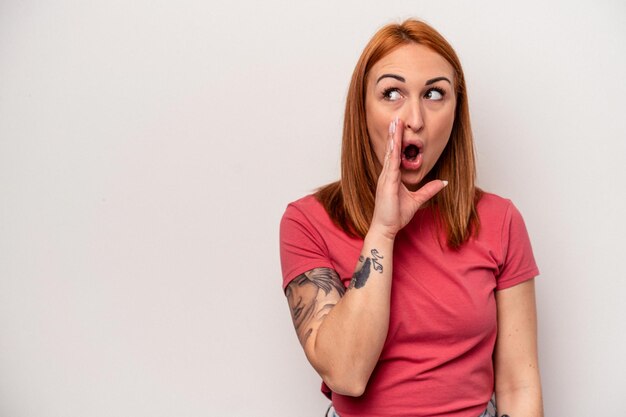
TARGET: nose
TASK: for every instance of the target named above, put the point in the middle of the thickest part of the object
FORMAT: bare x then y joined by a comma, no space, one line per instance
414,118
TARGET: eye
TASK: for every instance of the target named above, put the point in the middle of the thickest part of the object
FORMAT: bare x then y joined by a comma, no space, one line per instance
435,94
392,94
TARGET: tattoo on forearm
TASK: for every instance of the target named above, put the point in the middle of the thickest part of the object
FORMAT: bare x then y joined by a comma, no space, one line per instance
375,257
362,274
311,296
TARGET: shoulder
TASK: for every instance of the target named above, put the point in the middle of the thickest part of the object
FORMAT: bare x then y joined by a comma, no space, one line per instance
494,208
493,203
307,207
497,213
500,218
307,213
503,228
306,203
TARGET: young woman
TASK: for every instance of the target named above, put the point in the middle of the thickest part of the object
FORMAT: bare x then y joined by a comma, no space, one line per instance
411,290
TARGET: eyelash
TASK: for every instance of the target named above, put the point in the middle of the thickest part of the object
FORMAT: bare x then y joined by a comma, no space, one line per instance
389,90
439,90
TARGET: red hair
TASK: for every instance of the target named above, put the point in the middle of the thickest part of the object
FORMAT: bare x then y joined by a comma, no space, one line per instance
350,201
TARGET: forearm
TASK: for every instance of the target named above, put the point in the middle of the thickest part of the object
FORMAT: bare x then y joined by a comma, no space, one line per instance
518,381
350,339
524,401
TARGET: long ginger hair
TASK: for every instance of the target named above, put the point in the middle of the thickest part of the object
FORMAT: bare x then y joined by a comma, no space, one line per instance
350,201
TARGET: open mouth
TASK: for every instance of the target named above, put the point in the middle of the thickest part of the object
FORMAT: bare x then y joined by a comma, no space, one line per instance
411,152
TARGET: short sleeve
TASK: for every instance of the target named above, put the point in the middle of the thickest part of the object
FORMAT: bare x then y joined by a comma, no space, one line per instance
518,260
301,245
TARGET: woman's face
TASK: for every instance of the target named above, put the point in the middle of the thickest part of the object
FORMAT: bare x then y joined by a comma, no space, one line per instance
416,85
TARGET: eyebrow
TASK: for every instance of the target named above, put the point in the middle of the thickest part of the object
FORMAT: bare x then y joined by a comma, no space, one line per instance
399,78
434,80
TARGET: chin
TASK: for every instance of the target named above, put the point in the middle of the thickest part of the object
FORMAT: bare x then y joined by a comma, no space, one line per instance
413,182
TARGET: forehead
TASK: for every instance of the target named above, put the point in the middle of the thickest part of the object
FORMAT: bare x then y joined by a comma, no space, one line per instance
413,62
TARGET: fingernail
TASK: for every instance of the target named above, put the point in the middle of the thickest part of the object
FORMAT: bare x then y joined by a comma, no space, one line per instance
392,127
391,145
445,183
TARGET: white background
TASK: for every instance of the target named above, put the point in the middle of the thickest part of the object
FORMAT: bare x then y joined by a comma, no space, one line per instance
149,148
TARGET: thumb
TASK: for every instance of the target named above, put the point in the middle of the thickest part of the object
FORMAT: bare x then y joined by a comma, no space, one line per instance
428,191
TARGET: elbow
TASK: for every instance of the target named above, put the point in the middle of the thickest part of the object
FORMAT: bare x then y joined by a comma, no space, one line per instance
349,385
350,390
344,374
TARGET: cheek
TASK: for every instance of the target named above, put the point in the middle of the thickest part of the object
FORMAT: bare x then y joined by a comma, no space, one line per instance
444,127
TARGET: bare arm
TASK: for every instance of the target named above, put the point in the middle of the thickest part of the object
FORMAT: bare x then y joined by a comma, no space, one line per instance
518,385
343,333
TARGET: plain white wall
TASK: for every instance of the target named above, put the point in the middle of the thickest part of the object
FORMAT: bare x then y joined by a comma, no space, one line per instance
148,150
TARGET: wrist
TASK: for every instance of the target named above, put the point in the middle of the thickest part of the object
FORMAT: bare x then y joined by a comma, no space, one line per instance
379,233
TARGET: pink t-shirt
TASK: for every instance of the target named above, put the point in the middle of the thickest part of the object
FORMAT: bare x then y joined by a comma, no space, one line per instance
437,358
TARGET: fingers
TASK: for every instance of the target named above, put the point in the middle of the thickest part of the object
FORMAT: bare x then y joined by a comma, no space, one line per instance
396,143
428,191
391,166
390,141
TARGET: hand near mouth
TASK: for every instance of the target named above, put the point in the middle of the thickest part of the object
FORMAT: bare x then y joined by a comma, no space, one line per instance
395,205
